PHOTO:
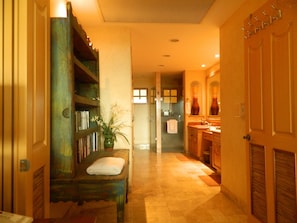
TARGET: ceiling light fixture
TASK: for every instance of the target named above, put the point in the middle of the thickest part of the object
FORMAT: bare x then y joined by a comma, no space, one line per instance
217,55
174,40
203,65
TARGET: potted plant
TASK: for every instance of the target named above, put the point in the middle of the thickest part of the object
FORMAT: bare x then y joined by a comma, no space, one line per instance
112,128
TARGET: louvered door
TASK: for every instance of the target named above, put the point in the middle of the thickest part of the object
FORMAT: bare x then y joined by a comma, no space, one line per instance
271,84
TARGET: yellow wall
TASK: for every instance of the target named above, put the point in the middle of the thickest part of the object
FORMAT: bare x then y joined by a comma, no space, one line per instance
142,115
189,77
115,70
234,172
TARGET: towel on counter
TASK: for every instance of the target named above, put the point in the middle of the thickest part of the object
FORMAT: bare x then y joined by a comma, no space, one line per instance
172,126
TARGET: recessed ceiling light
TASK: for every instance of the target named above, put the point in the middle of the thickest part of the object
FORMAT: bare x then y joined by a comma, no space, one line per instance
217,55
174,40
203,65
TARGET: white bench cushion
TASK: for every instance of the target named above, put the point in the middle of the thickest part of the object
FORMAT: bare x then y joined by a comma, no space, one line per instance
106,166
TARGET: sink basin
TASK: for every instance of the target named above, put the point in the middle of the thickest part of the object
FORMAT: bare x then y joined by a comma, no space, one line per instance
215,129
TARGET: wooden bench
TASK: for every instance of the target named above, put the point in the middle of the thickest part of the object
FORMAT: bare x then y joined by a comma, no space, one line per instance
85,187
78,219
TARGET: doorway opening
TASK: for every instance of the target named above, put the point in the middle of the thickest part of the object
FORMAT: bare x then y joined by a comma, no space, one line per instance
172,113
172,108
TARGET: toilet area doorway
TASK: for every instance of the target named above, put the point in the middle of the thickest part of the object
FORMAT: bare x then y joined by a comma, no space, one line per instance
164,109
172,113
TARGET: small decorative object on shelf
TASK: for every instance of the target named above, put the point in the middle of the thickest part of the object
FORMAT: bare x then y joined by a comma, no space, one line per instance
195,94
108,142
112,128
195,107
214,108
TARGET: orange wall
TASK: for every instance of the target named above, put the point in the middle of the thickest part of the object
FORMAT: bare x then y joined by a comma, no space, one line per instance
189,77
234,171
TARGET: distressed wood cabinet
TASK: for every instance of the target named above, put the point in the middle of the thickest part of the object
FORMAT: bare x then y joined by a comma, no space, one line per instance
74,98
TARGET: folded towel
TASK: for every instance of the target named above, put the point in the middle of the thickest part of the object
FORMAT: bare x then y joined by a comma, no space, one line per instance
106,166
172,126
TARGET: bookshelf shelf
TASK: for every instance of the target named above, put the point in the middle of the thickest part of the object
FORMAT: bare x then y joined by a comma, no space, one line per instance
83,102
82,73
85,132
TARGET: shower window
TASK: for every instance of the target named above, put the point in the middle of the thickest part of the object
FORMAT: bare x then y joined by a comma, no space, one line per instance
139,95
170,95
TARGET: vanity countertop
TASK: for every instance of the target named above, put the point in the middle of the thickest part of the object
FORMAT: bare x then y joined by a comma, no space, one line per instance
202,127
216,129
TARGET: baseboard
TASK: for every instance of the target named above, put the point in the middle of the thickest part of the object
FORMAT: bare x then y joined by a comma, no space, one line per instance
242,205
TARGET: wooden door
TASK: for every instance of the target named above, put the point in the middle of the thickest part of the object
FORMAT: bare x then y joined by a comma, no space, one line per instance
31,107
271,62
6,80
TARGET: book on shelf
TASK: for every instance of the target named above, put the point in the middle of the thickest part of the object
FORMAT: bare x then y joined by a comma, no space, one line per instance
82,120
86,145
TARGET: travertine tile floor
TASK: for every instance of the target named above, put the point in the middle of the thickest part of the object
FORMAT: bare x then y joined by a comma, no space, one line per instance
167,189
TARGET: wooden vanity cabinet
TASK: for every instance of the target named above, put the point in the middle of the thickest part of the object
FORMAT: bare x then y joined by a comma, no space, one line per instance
194,142
207,147
216,151
211,149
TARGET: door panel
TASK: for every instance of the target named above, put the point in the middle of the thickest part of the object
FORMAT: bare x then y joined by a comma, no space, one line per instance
285,184
258,176
282,79
6,79
270,63
255,84
40,114
31,105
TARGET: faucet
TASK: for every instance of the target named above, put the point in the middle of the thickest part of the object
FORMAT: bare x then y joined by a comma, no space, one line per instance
204,122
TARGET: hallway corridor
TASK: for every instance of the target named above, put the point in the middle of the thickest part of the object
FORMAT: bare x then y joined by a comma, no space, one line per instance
166,188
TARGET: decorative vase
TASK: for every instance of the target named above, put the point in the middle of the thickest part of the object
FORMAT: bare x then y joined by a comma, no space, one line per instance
108,143
195,107
214,108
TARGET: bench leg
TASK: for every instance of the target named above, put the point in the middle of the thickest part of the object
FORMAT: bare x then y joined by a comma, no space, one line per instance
120,208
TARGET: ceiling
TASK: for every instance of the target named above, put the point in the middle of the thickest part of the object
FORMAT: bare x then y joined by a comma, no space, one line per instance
167,36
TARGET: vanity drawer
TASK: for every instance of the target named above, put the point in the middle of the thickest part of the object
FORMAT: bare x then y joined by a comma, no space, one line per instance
207,136
217,137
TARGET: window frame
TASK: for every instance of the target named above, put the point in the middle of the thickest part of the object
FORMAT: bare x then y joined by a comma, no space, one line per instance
141,97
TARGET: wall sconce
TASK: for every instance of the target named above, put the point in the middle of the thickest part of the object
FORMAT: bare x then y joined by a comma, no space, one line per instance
58,8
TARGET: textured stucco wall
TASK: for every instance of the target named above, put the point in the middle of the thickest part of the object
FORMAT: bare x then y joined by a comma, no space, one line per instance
234,157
